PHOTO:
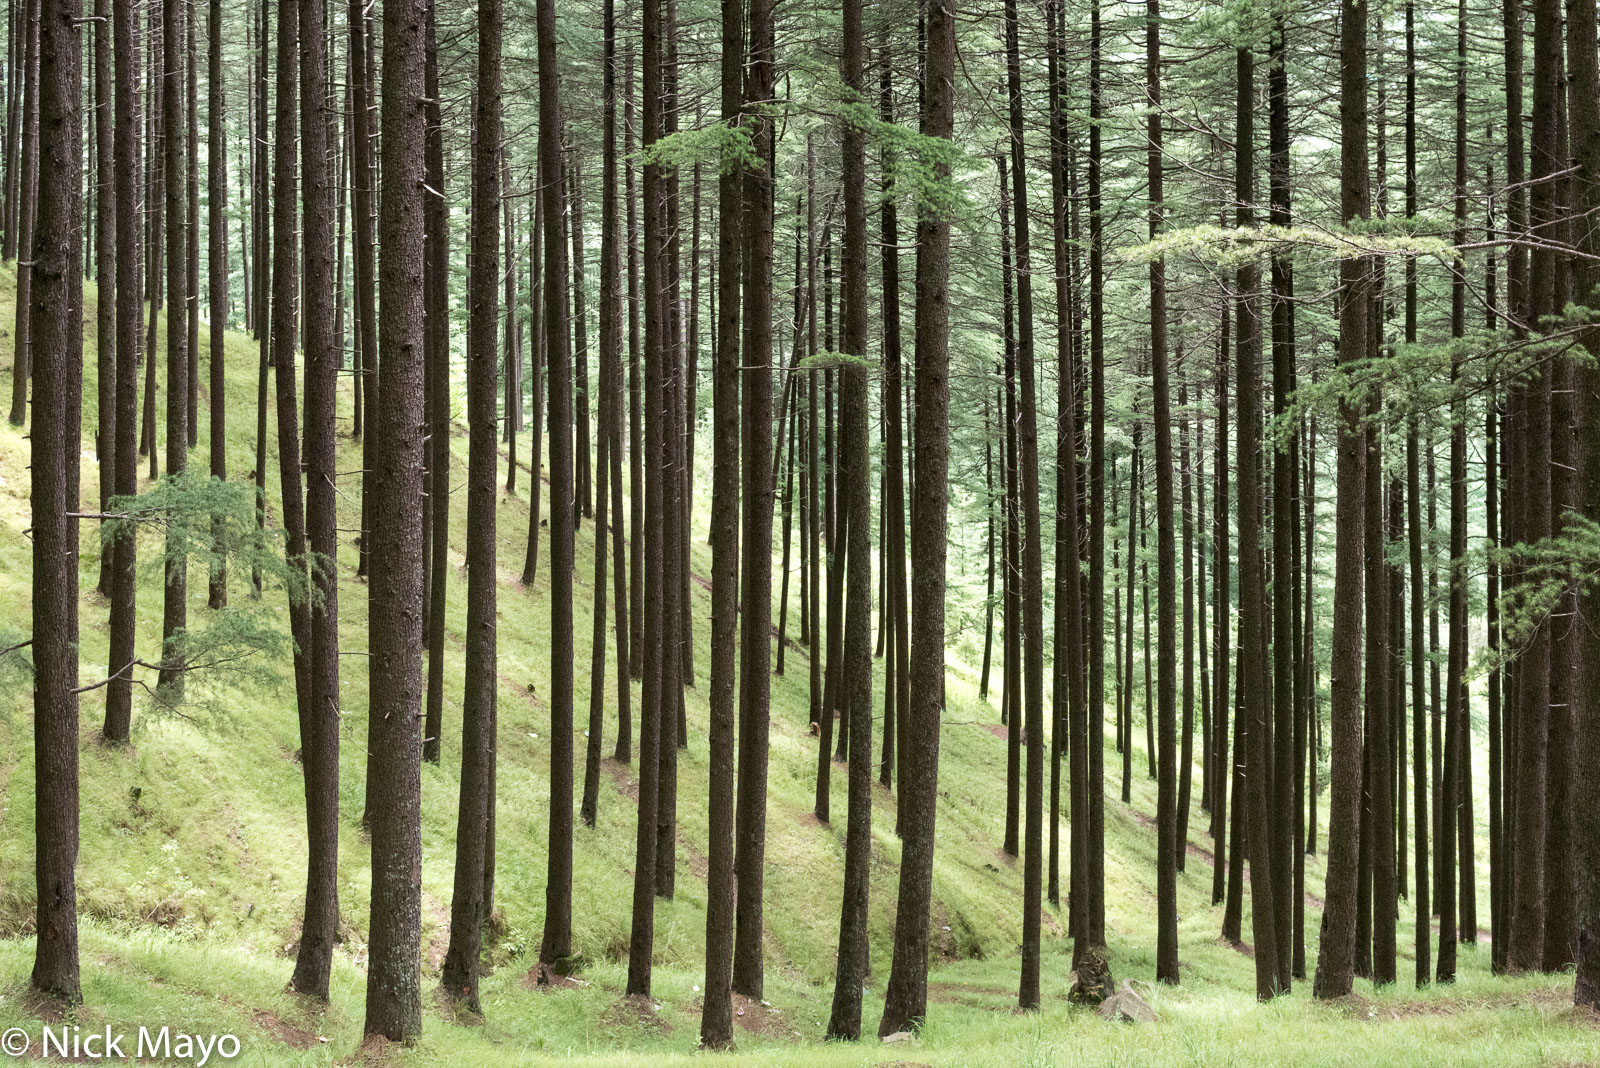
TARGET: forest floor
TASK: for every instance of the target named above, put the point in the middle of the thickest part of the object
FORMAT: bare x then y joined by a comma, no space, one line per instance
190,877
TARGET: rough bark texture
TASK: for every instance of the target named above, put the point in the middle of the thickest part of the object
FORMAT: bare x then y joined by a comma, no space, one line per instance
716,1020
1336,962
52,497
906,998
469,906
320,746
394,980
756,479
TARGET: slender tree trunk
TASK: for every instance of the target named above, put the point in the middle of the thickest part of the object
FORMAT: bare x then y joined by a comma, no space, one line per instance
1583,72
191,295
105,272
28,193
1336,962
436,369
854,472
217,268
129,318
530,564
716,1020
468,903
1168,846
557,939
756,479
174,609
320,746
906,998
394,994
54,449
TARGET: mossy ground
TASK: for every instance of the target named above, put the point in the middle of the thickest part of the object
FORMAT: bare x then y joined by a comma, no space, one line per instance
191,867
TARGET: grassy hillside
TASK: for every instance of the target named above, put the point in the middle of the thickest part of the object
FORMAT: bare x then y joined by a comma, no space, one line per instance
191,869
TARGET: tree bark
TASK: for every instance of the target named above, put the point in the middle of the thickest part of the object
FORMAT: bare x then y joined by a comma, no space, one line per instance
394,994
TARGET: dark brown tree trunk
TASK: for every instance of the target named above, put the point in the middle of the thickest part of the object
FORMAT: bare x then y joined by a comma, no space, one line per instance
320,746
1583,72
636,442
906,998
855,479
756,565
1168,846
653,700
191,295
394,794
54,448
557,939
1336,962
361,68
174,608
1419,736
536,327
27,209
436,401
1535,667
105,247
1253,695
468,903
1282,800
716,1020
217,268
1221,770
129,318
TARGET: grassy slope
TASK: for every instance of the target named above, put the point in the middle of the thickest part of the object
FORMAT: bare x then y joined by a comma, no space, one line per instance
190,891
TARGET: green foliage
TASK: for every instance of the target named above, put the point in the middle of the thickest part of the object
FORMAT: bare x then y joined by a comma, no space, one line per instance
729,148
1547,570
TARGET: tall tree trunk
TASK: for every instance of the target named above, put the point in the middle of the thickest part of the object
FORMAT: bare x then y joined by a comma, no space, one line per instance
854,472
361,67
1253,695
906,997
556,942
1336,961
394,994
1529,899
129,318
436,402
1419,737
217,270
28,193
191,213
1282,784
1168,847
468,903
1583,72
755,585
54,450
653,702
105,247
716,1020
320,748
174,608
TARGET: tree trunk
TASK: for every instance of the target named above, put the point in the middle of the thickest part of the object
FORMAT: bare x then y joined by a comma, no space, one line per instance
1336,962
468,903
906,997
54,447
320,748
174,609
556,942
756,565
394,994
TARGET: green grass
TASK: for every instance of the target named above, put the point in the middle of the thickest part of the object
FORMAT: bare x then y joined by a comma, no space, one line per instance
191,868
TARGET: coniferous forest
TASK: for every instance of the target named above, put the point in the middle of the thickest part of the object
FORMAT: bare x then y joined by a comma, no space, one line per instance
916,531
